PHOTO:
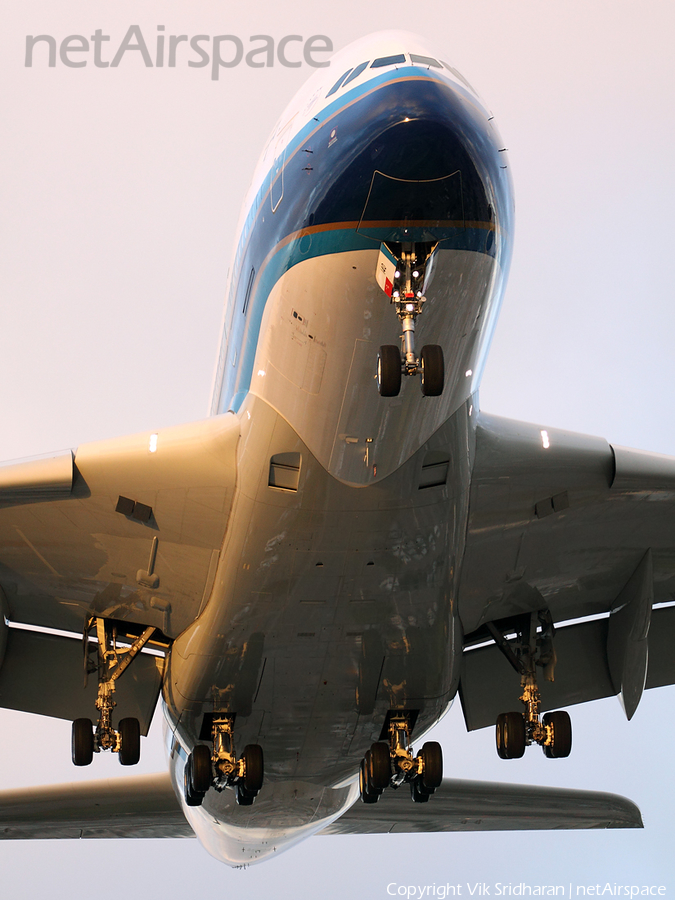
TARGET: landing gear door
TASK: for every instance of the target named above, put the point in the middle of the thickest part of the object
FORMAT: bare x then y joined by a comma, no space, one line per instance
386,267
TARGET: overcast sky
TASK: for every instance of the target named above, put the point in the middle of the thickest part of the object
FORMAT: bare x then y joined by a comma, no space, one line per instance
120,199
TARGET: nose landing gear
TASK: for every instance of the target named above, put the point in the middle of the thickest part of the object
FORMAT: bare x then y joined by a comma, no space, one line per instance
515,731
407,296
393,764
221,768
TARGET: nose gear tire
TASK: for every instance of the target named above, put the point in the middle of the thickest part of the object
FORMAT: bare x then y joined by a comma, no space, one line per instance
389,371
433,370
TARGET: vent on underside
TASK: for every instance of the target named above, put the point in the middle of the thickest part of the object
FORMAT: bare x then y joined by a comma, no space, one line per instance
434,469
285,471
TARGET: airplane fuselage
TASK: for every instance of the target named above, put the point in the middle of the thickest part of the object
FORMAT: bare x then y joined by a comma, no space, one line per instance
334,600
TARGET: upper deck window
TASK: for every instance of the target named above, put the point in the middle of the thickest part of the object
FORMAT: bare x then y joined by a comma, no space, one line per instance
338,83
357,71
425,60
388,61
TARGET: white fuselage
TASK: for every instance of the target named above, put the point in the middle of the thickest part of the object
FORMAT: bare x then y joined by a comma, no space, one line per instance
334,599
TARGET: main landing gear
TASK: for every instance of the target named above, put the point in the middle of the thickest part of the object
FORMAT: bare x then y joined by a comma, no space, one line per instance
221,768
408,300
112,662
391,764
532,647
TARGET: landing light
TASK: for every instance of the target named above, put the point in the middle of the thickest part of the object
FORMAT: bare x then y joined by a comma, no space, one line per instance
416,274
152,447
545,443
468,373
397,294
410,307
262,372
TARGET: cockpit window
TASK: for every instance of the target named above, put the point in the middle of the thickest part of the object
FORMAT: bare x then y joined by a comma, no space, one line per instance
355,74
459,76
425,60
338,83
388,61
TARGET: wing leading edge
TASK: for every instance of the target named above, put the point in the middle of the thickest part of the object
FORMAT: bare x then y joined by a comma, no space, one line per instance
145,806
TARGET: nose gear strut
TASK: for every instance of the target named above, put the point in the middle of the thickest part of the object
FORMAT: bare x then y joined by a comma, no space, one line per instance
393,763
532,647
406,295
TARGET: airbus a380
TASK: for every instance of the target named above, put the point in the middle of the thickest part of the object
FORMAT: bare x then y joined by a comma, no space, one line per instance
311,575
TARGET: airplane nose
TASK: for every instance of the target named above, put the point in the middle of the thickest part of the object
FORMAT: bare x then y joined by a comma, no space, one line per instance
428,160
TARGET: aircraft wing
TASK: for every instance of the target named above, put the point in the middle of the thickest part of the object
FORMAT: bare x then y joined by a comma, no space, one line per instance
129,529
145,806
140,806
567,523
460,805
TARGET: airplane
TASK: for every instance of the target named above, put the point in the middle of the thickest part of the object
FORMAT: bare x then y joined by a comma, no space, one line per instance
310,576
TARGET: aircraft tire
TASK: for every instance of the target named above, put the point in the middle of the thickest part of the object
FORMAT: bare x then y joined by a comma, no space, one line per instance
562,735
432,758
389,371
82,742
254,768
200,769
379,766
433,370
244,797
192,798
130,741
417,792
510,735
367,796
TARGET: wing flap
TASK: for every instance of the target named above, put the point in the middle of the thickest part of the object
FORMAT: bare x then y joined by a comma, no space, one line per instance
460,805
142,806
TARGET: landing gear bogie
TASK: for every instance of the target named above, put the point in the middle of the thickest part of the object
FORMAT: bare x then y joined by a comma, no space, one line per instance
221,768
393,763
111,663
532,647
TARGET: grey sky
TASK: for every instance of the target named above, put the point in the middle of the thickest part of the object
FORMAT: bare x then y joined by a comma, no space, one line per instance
120,198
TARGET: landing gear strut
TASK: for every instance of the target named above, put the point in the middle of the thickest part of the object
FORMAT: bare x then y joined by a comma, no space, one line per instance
112,662
408,300
392,763
532,647
221,768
